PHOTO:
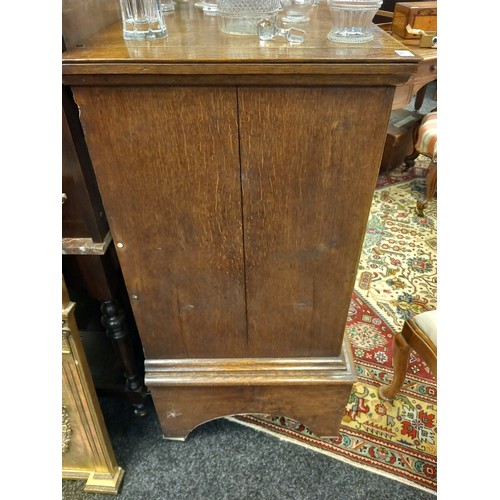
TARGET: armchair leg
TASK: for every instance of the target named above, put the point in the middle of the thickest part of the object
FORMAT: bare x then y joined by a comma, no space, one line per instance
409,161
431,188
400,365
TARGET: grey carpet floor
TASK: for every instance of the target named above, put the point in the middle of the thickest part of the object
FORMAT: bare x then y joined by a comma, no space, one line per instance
222,460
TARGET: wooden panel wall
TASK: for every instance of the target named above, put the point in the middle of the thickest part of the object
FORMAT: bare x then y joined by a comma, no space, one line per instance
167,162
195,242
310,160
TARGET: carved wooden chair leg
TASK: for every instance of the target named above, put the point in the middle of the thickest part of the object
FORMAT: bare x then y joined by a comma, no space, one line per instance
409,160
418,333
431,188
400,365
113,319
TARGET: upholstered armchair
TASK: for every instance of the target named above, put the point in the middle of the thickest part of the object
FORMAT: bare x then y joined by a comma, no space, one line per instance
418,333
425,143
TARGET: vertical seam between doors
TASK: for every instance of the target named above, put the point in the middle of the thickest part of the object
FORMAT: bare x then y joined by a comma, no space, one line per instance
242,215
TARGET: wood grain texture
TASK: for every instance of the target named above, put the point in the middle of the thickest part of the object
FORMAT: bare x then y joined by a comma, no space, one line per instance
251,371
188,393
319,407
310,159
196,46
167,162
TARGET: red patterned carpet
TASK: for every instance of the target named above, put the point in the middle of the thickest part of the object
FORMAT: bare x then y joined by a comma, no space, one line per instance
397,278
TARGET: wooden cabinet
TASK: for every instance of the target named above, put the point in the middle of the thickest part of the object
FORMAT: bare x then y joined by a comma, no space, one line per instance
237,177
92,272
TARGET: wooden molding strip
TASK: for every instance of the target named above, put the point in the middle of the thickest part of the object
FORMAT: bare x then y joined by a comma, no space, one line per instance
250,371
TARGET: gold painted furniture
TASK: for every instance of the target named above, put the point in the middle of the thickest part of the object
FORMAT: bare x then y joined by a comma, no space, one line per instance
237,176
418,333
86,450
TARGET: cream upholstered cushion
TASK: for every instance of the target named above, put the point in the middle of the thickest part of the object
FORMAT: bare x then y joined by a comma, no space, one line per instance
427,322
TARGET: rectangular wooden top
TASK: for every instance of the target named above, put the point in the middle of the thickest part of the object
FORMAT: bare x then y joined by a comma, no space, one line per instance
196,48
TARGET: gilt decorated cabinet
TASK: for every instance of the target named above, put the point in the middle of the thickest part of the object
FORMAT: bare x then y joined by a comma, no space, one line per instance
87,453
237,178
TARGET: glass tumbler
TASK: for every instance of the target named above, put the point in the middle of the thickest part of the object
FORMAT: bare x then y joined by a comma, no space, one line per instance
352,20
142,19
296,11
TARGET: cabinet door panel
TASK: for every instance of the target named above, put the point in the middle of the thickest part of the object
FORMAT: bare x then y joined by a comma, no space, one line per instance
310,158
167,164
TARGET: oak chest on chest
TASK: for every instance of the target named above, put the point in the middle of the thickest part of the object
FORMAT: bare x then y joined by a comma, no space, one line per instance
237,178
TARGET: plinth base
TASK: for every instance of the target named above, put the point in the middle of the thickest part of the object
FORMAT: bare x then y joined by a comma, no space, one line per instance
98,482
188,393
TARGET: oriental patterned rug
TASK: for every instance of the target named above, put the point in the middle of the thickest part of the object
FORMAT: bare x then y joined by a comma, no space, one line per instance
396,279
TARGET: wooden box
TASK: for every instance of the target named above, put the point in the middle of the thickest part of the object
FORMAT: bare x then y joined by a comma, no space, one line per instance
419,15
399,139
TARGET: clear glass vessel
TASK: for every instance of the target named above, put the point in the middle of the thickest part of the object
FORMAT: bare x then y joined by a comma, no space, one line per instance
142,19
296,11
209,7
167,5
352,20
267,31
240,17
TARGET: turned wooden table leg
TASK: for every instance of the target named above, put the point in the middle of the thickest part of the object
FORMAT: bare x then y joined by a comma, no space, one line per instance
400,365
419,98
113,319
